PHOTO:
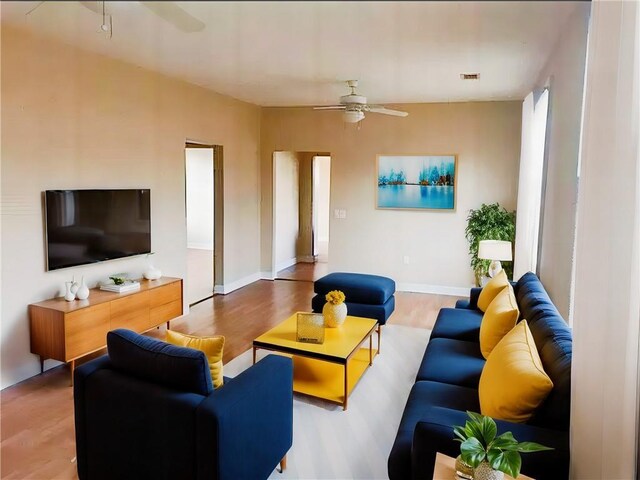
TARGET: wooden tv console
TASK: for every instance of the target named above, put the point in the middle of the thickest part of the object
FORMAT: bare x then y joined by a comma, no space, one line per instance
66,331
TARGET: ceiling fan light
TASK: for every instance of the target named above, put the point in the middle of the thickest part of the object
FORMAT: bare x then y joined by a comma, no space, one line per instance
352,116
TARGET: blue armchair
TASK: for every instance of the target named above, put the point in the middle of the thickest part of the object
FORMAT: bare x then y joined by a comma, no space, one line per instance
148,410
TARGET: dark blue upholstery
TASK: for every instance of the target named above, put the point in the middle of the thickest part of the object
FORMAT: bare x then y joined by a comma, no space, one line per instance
183,369
129,426
422,397
357,287
378,312
458,324
452,361
446,386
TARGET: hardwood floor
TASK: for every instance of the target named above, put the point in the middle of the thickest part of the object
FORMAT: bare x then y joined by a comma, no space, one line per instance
37,428
306,272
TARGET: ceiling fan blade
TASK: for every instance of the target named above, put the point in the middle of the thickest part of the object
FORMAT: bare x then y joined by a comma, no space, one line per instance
331,107
387,111
175,15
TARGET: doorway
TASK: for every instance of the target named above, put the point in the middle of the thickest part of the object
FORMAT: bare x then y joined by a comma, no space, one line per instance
301,194
201,198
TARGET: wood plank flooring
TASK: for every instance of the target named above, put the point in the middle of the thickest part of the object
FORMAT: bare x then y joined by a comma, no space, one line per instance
36,419
306,272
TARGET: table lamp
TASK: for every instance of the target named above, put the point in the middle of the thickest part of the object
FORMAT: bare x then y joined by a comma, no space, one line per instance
495,250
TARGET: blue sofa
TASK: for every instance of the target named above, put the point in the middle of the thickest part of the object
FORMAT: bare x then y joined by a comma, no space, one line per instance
447,386
148,410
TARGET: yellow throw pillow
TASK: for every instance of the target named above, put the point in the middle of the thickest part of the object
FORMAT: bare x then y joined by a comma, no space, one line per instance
491,289
211,346
513,383
501,316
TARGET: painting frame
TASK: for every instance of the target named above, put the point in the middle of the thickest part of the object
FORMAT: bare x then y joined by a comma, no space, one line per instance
449,200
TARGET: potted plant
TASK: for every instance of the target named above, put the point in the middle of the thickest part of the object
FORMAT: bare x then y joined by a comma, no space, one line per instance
489,222
489,455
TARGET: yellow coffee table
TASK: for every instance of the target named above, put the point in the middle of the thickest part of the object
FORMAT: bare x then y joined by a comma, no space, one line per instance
330,370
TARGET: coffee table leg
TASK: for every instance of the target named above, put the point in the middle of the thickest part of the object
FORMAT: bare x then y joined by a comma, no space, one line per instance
346,387
371,349
254,355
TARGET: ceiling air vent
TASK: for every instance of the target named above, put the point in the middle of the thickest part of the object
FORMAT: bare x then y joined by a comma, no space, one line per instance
470,76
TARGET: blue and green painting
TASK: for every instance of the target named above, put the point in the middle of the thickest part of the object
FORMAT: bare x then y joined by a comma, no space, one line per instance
426,182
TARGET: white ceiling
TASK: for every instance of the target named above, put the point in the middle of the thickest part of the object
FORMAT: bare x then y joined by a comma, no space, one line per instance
300,53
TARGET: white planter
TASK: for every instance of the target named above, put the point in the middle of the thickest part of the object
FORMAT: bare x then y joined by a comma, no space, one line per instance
334,315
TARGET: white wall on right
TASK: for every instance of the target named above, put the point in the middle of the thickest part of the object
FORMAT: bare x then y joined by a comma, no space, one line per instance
564,74
199,172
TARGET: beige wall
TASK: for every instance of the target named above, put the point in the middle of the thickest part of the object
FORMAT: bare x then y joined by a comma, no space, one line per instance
564,73
486,137
72,119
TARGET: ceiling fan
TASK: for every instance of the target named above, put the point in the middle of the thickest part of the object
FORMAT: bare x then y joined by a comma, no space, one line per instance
168,11
354,106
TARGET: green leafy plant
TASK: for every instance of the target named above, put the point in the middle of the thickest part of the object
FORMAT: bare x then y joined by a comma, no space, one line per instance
480,443
489,222
117,280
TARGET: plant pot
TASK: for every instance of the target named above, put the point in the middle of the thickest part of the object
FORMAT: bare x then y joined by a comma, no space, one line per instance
485,472
334,315
463,470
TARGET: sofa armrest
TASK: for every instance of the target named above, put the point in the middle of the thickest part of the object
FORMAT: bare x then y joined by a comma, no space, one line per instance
434,433
245,427
80,376
472,303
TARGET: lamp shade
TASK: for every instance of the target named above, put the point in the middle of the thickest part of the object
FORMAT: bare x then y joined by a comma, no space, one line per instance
495,250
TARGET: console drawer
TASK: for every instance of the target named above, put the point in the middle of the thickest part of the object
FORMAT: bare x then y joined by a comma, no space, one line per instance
166,312
165,294
131,312
86,330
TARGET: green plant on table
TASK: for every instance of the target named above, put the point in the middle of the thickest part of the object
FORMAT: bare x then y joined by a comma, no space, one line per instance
117,280
480,443
489,222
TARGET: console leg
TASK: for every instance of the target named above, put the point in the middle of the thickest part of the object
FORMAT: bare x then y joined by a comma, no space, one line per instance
283,464
72,365
41,363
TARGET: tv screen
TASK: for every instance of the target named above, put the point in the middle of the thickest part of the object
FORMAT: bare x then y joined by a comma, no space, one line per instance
89,226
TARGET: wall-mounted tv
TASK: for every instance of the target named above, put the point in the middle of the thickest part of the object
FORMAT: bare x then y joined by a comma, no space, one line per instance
89,226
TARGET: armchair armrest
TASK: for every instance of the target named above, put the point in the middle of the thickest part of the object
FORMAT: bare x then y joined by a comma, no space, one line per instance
434,433
80,376
245,427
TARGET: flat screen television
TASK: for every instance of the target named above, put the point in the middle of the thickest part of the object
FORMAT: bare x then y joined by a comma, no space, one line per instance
89,226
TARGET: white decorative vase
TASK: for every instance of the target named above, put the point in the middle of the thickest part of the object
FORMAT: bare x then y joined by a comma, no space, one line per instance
334,315
152,273
485,472
74,285
83,291
69,296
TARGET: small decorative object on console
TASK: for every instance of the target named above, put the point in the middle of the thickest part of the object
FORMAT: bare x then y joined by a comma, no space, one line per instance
69,296
83,291
310,327
151,273
335,310
120,284
489,454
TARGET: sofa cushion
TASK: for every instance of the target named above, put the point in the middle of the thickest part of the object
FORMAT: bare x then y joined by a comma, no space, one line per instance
357,287
491,289
452,361
501,316
553,341
532,298
457,324
212,347
179,368
423,396
513,383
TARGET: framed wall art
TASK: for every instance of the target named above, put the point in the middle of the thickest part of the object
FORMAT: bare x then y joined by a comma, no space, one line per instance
416,182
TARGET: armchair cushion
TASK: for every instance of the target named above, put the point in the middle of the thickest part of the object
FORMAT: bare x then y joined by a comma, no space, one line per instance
147,358
212,347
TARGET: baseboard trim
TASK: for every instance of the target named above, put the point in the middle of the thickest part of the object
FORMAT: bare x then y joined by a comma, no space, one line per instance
243,282
286,264
200,246
307,259
267,276
434,289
